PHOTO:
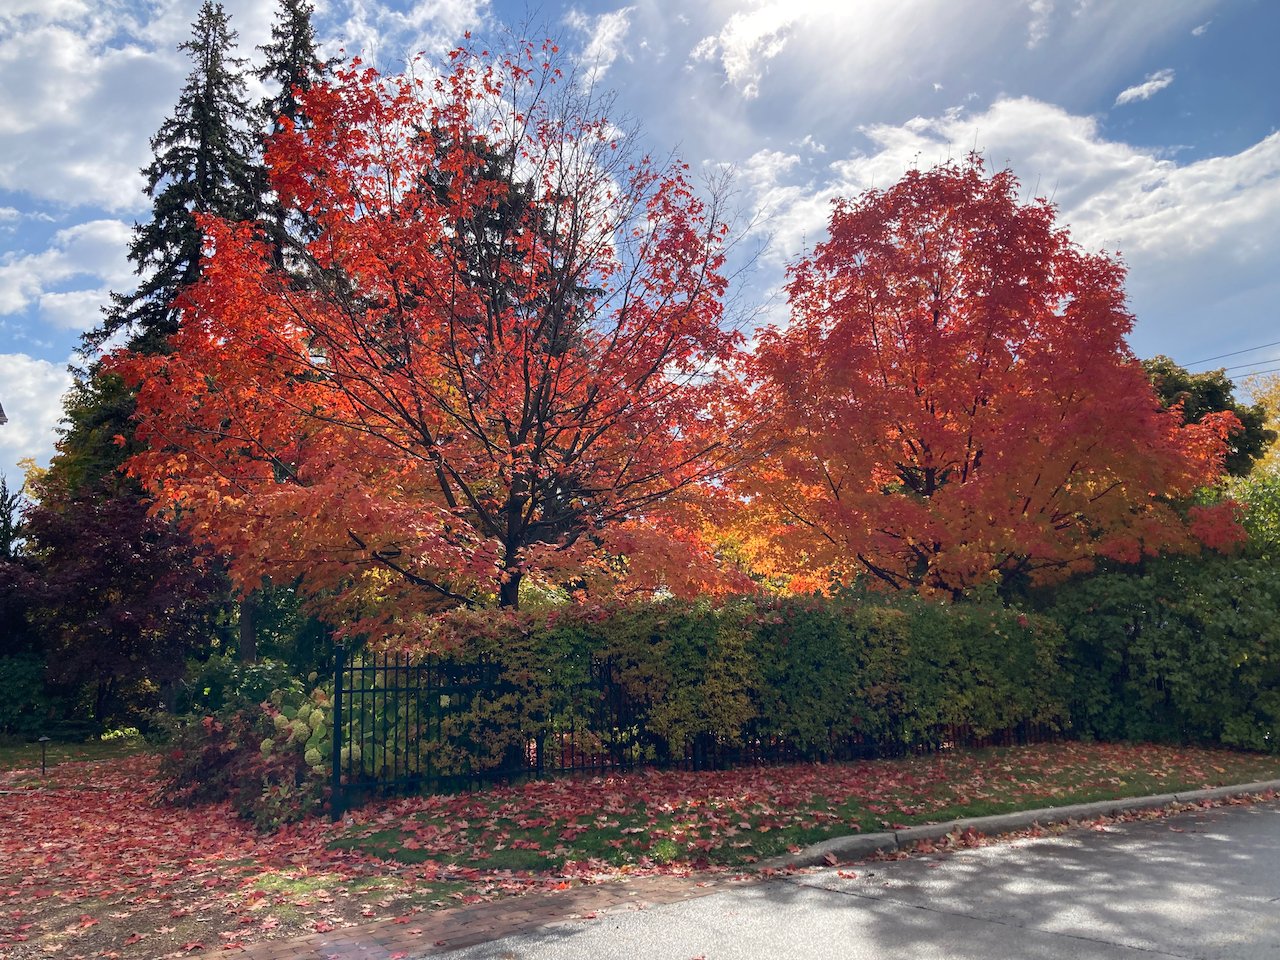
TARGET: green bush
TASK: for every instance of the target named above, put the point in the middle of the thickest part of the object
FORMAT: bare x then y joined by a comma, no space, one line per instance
700,682
1186,649
808,671
223,681
905,672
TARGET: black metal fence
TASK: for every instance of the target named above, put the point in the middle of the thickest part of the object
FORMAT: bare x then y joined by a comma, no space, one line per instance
431,724
402,725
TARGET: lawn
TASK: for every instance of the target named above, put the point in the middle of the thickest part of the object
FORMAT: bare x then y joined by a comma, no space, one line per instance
20,755
89,865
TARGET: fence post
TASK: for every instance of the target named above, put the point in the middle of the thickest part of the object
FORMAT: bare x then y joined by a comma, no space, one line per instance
339,664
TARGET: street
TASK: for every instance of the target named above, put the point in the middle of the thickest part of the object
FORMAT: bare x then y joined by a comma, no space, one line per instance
1203,884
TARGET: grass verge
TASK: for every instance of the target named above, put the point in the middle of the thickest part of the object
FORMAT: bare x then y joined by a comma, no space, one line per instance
733,818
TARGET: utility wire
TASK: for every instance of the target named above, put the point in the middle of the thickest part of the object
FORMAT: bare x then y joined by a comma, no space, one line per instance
1234,353
1257,373
1254,363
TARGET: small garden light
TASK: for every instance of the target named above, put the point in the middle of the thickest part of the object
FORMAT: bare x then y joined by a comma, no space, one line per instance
44,746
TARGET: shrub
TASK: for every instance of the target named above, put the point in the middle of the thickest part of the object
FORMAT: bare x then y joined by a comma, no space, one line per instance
1186,649
808,671
223,681
701,682
271,760
905,671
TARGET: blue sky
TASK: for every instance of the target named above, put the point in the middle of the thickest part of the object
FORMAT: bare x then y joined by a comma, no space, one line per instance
1153,124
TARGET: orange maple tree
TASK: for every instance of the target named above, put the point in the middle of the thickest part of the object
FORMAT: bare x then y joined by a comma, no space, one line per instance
954,402
492,351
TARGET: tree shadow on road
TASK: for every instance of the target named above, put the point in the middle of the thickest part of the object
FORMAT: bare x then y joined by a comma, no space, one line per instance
1202,884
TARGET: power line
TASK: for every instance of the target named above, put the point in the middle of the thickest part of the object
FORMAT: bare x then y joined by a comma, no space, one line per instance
1253,363
1256,373
1234,353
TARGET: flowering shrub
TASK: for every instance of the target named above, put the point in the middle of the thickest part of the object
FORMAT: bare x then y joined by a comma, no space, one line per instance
271,760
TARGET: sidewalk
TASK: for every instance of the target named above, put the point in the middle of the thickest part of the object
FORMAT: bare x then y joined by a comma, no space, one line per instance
440,932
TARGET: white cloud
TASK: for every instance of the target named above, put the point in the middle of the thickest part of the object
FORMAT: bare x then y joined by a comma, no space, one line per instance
747,41
799,66
606,35
1153,84
393,37
31,392
95,252
1038,28
86,85
41,11
77,310
1200,30
1199,238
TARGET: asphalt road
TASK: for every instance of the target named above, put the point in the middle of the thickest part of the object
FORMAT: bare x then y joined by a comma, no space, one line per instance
1203,884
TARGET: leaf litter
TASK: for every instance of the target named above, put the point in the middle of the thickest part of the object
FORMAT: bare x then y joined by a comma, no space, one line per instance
91,865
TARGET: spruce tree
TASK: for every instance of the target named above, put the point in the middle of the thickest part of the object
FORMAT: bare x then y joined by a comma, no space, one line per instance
291,66
205,161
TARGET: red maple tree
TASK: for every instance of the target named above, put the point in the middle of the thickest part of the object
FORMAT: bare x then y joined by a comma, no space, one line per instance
954,402
492,352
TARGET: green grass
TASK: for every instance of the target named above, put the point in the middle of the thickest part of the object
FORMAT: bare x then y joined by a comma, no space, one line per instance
18,755
501,844
295,884
700,820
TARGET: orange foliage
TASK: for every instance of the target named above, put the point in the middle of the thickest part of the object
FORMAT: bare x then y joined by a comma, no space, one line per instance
497,339
954,402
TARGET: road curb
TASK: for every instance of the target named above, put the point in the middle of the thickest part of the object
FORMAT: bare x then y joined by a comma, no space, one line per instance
860,845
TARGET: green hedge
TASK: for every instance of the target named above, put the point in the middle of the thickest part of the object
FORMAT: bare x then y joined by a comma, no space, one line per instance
1186,649
810,672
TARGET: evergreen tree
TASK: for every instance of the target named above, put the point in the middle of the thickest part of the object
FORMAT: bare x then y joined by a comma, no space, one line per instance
205,161
95,438
291,66
10,521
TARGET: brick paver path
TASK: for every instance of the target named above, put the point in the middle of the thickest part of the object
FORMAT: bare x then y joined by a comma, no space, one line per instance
443,930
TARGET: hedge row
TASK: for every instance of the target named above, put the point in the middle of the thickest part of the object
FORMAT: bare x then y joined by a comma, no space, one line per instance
807,672
1185,650
802,670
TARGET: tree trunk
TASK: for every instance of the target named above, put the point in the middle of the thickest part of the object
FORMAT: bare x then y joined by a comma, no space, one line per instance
509,591
102,699
248,629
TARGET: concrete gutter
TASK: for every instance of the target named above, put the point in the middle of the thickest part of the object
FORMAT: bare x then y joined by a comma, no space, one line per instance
862,845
